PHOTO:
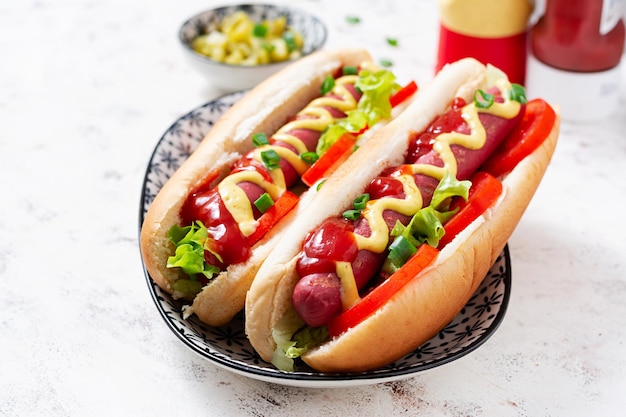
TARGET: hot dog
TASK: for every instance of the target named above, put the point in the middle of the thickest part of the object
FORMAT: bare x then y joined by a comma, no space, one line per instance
427,207
215,220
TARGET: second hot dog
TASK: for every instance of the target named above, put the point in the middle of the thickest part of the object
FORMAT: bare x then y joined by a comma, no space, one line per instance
420,227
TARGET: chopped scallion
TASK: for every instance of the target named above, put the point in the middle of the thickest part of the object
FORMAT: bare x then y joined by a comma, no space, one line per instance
259,30
352,214
290,40
264,202
260,139
360,201
327,85
518,93
268,47
350,70
483,100
400,250
271,159
309,157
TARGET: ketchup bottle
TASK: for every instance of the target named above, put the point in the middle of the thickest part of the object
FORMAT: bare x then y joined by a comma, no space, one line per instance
576,49
492,31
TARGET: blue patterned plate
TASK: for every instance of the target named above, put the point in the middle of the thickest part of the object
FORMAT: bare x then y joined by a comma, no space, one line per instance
228,347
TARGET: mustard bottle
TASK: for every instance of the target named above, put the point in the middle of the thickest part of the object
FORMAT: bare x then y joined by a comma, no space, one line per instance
492,31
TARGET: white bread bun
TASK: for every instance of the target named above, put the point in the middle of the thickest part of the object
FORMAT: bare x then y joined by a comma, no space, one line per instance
264,109
431,300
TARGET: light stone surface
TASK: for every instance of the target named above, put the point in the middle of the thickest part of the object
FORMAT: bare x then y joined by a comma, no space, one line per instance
86,90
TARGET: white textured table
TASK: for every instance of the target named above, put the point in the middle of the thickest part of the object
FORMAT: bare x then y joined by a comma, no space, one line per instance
87,89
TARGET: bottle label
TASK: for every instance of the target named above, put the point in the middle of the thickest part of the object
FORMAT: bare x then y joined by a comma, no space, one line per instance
612,12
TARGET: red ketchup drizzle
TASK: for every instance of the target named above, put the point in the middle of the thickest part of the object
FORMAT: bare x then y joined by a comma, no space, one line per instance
452,120
208,207
332,241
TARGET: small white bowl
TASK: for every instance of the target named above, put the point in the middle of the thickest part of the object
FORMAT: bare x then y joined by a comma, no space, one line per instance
227,77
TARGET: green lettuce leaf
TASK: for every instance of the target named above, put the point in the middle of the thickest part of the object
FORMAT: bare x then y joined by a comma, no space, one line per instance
448,188
329,137
293,339
191,242
377,87
426,226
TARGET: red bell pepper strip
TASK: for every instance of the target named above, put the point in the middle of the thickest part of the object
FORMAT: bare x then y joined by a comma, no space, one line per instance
281,207
538,120
424,256
335,155
403,94
486,189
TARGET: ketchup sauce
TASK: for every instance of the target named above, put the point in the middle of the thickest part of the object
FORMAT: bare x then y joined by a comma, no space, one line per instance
208,207
575,35
452,120
575,57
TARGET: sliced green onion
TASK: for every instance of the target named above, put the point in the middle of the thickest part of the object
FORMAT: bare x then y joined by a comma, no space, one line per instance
290,40
352,214
264,202
400,250
350,70
386,63
260,139
259,30
271,159
327,85
359,205
268,47
483,100
320,185
518,93
309,157
392,41
353,20
360,201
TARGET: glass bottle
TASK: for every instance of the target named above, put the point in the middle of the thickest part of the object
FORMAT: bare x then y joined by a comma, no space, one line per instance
576,48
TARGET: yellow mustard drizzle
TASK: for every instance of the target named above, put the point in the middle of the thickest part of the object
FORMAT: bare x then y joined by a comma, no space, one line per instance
293,158
237,202
316,118
373,212
474,140
349,291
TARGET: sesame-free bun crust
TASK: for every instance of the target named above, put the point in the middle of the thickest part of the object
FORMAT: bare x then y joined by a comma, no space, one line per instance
431,300
264,109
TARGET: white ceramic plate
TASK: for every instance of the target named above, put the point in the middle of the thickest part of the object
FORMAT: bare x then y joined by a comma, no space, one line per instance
228,347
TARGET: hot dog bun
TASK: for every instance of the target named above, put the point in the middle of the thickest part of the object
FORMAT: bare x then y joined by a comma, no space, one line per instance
264,109
441,291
